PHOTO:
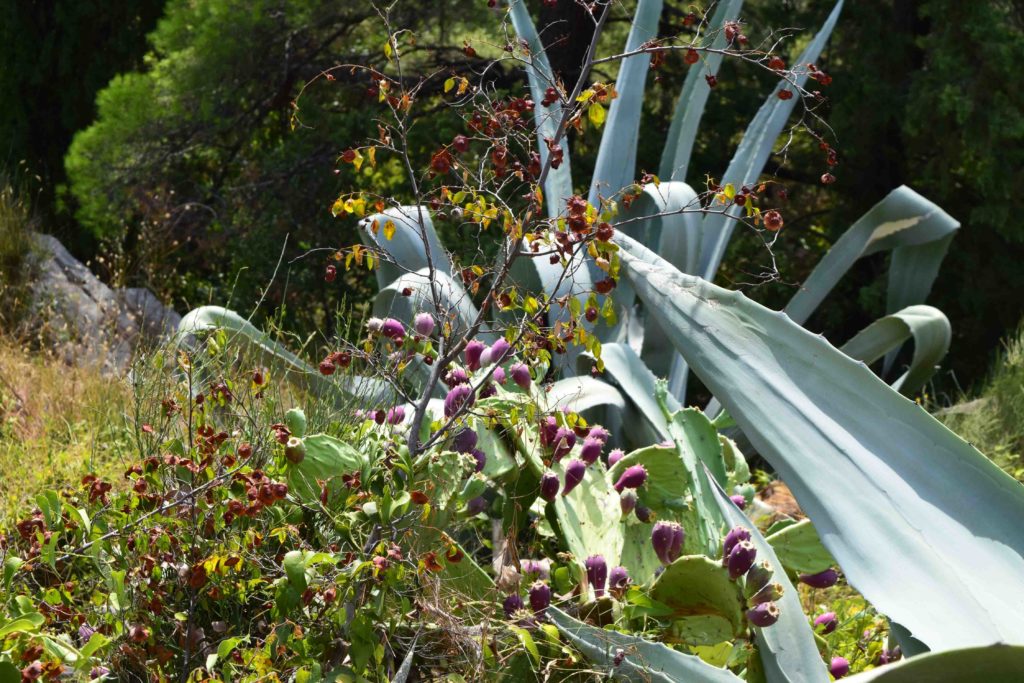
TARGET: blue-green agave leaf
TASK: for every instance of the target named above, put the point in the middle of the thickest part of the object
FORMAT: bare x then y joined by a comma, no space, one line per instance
413,229
970,665
616,157
754,150
923,525
693,98
643,661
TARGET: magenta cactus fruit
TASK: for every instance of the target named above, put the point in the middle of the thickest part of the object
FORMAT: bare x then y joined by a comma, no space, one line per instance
627,501
825,579
633,478
574,473
667,539
887,656
488,390
618,578
758,577
739,501
540,596
764,614
456,376
481,459
393,329
735,535
396,415
591,449
548,430
472,353
826,623
520,375
465,441
600,433
549,486
512,604
499,350
741,558
615,456
499,375
476,506
539,569
643,513
423,323
458,396
563,442
597,573
839,667
770,592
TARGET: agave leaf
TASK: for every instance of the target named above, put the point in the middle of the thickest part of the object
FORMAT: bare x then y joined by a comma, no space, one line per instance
406,246
643,661
616,157
754,150
693,98
456,303
345,388
923,525
787,648
558,184
930,330
583,393
994,663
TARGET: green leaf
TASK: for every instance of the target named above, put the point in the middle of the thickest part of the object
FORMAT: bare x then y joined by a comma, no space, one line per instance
754,149
930,331
28,623
693,97
799,548
969,665
527,642
616,156
701,595
9,673
295,569
643,660
923,525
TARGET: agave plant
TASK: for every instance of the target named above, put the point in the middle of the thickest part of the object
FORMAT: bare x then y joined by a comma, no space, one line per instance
921,523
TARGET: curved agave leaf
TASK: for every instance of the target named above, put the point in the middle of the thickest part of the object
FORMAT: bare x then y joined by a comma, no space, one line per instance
693,98
583,393
923,525
208,318
558,184
616,157
930,330
406,246
455,301
642,661
787,648
994,663
754,150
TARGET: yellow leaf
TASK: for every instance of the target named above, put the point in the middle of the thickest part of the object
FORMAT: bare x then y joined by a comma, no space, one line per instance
371,154
388,50
597,114
729,191
449,84
389,230
357,161
463,84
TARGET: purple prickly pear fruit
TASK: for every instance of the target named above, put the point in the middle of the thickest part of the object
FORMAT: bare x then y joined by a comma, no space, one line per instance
618,578
488,390
563,442
548,430
392,329
396,415
758,577
574,472
633,478
472,353
667,539
423,323
540,596
597,573
590,451
826,623
476,506
456,376
540,569
520,375
600,433
458,396
839,667
499,350
512,604
735,535
741,558
465,441
739,501
615,456
764,614
887,656
770,592
627,501
481,459
549,486
499,375
643,513
823,579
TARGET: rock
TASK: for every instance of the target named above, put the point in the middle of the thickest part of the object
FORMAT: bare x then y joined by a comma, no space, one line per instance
87,321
